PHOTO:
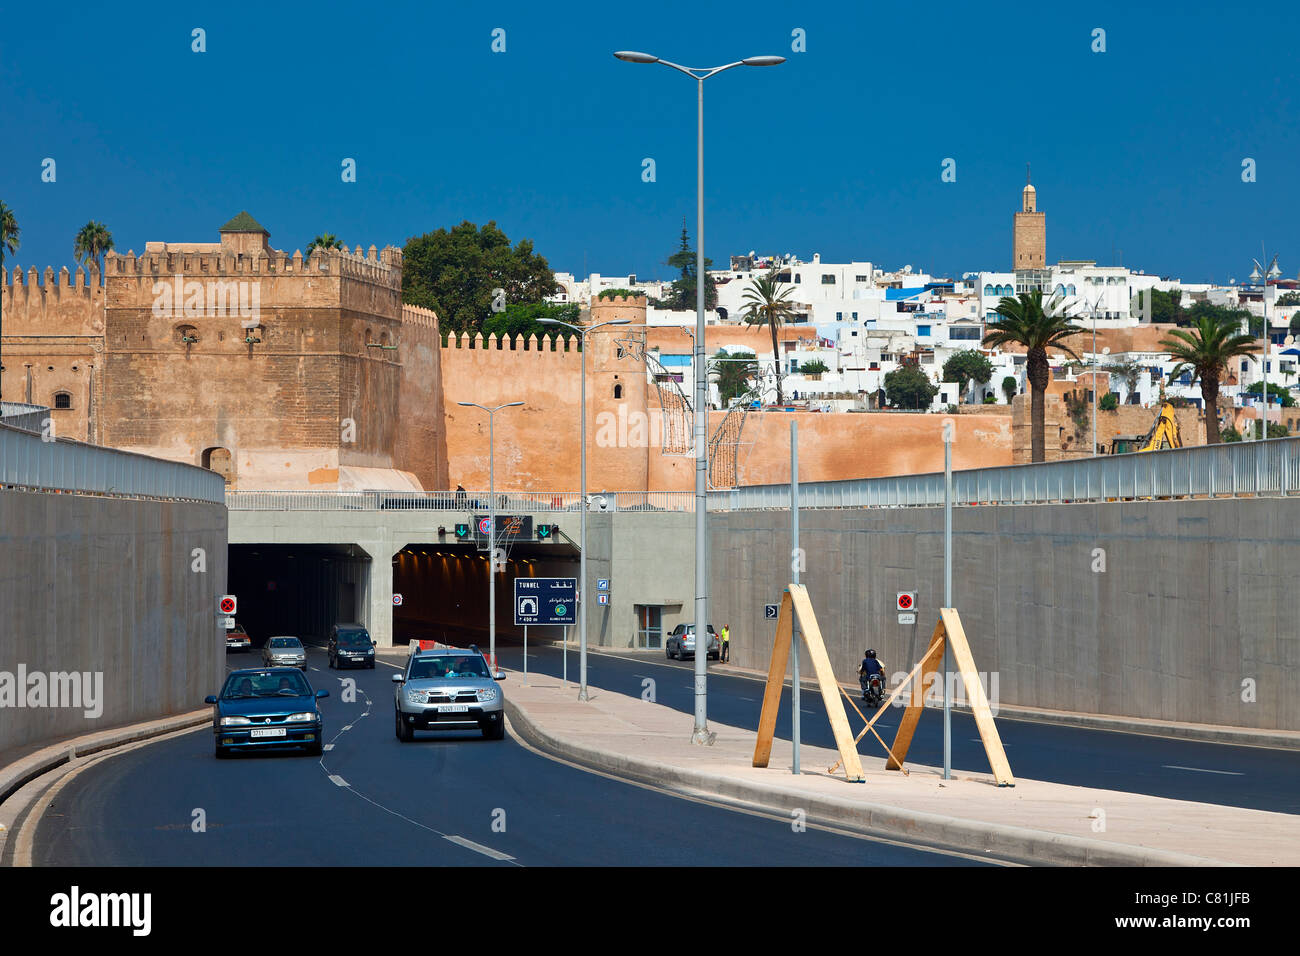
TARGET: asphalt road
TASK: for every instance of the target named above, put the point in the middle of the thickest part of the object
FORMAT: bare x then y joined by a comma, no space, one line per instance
1253,777
371,800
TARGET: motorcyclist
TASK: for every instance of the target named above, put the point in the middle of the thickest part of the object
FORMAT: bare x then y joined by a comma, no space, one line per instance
869,667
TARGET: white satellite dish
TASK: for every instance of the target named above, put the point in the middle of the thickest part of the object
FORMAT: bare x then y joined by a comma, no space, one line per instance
1105,350
1289,340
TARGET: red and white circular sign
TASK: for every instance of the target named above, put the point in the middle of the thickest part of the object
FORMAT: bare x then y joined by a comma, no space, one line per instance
227,605
906,600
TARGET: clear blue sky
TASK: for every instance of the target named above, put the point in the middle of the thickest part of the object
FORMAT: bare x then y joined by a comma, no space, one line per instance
838,151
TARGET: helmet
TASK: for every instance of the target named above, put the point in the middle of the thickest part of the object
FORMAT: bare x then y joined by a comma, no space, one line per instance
871,653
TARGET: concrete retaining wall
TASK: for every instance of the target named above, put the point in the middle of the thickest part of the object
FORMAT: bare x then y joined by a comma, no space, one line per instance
107,586
1195,606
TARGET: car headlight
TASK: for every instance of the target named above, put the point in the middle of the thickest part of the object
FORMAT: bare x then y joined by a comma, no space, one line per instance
234,721
304,716
486,694
416,696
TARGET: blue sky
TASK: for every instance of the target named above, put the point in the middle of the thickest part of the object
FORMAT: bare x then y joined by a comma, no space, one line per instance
838,151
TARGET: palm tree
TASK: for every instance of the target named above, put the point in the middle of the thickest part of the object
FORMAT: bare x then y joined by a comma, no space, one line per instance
1026,322
326,241
92,241
735,374
1206,347
766,303
8,242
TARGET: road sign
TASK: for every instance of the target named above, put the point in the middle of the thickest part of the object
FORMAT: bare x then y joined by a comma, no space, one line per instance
906,600
462,531
906,617
602,598
770,611
226,604
509,527
602,584
545,601
397,600
228,623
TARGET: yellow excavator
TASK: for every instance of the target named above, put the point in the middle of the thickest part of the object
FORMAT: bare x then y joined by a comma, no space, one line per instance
1163,434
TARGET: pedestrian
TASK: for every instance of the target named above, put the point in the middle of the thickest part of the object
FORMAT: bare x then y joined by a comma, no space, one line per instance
460,496
726,644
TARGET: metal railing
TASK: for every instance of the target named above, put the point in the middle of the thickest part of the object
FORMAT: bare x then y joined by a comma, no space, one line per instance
532,502
30,418
1267,468
27,462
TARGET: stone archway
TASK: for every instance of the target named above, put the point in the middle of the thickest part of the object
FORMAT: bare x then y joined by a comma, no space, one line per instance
219,460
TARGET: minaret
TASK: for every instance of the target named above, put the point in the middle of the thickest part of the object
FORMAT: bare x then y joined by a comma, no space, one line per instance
1029,231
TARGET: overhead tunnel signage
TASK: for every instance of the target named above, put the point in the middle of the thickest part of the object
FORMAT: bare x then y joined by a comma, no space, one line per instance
546,601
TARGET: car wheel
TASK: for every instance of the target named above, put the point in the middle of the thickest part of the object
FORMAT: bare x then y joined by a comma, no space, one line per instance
371,666
495,730
221,752
404,733
316,749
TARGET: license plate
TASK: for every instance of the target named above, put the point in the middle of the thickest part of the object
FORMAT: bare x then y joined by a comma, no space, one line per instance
453,708
267,732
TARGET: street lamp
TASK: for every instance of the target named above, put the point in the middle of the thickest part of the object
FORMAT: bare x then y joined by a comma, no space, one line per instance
1257,274
700,372
492,528
582,495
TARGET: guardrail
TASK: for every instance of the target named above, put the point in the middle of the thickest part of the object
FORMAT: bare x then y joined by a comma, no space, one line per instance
532,502
29,418
1258,468
27,462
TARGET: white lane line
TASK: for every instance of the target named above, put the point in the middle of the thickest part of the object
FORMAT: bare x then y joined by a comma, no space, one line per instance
479,848
349,726
338,781
750,699
1226,773
329,746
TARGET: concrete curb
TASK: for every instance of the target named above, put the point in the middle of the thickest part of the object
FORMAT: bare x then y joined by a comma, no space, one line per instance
999,840
14,776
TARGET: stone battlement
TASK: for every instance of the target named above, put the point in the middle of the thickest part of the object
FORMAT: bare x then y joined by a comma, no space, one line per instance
54,307
506,343
417,316
380,268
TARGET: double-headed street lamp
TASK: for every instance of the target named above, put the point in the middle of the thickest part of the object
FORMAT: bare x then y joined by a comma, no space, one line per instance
700,372
1260,274
582,494
492,529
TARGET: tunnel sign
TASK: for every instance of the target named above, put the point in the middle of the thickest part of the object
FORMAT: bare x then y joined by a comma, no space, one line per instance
226,604
906,600
545,601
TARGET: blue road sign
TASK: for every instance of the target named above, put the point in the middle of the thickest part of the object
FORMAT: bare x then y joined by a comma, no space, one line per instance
602,584
546,601
602,598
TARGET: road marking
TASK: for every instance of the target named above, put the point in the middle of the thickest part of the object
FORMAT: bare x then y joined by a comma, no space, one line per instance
1228,773
329,746
479,848
338,781
349,726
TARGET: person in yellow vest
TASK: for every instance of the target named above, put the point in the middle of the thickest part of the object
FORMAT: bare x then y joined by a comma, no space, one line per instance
726,644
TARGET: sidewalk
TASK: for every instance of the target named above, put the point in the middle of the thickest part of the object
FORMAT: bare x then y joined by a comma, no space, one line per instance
1038,822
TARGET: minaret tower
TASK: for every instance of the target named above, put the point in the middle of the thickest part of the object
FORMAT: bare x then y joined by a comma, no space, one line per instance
1029,237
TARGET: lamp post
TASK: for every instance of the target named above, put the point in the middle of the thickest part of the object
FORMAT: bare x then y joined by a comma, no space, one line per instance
582,495
1258,274
492,528
700,373
1096,396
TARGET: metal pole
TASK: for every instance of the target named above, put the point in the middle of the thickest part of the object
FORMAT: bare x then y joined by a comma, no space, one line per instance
525,655
582,558
794,567
1263,411
566,651
701,732
492,543
1096,396
947,593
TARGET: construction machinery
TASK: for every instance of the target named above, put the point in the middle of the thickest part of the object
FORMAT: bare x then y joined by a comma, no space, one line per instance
1164,433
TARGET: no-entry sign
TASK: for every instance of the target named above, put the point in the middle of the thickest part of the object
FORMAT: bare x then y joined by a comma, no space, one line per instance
226,604
906,600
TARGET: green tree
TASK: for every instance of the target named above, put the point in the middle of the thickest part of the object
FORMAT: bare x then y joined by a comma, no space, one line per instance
1128,371
1281,396
619,293
815,367
1026,322
966,366
1290,298
91,242
456,273
326,240
767,303
735,374
1206,349
1010,387
1165,306
1109,402
908,387
8,243
683,294
520,320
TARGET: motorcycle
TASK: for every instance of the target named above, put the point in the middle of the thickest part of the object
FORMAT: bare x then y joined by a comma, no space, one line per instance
873,688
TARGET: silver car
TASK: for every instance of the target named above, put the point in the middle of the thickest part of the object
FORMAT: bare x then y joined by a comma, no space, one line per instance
681,643
447,688
284,651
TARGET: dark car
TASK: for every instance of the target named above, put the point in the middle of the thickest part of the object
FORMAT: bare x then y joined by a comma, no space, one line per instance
266,707
350,646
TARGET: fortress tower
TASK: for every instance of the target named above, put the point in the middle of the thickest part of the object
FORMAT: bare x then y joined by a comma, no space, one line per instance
1029,244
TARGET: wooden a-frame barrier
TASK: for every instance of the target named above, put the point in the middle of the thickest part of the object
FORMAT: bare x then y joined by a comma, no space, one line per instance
947,630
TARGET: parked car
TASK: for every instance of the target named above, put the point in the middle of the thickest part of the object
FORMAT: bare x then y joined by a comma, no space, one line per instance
350,646
284,651
237,639
447,688
266,707
681,643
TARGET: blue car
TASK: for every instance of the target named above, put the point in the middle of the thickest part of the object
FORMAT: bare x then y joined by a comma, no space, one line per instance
266,707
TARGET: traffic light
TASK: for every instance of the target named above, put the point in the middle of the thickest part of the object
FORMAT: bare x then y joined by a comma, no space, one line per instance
462,531
546,531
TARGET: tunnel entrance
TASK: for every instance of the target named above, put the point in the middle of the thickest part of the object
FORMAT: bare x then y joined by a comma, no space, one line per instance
444,591
298,589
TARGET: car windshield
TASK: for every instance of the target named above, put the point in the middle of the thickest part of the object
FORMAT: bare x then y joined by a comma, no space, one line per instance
433,668
264,684
285,642
354,637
